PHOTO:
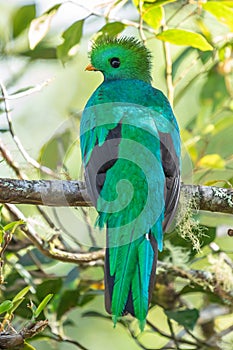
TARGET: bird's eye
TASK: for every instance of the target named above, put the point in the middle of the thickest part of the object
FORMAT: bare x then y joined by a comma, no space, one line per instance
115,62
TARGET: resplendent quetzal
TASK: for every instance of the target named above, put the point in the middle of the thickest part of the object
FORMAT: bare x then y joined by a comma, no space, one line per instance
131,154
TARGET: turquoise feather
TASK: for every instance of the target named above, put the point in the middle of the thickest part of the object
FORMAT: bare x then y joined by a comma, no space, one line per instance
141,280
130,148
126,267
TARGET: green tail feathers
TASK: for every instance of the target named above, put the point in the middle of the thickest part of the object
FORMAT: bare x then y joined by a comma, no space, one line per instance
141,281
130,278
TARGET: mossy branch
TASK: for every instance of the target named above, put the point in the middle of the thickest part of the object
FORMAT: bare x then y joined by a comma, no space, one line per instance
74,194
12,339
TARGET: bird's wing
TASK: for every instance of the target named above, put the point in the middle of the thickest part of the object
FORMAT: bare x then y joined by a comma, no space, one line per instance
170,153
125,149
170,161
101,142
100,134
127,152
126,181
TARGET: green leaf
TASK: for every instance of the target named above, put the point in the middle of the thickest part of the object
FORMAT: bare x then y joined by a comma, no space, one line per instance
221,10
5,306
223,123
185,37
15,305
27,261
12,226
152,11
193,288
214,90
208,236
71,299
18,299
42,305
212,161
27,346
153,16
228,3
53,8
47,287
186,318
53,152
2,130
94,314
72,279
21,294
180,59
22,18
205,56
22,90
40,26
72,37
111,29
152,2
25,275
41,51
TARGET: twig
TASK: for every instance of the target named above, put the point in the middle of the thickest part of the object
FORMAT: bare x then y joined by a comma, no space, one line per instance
74,193
172,333
17,141
166,335
197,277
142,35
14,166
175,12
205,279
168,69
10,161
113,18
113,6
201,72
47,219
10,339
64,230
4,245
217,336
182,21
186,70
199,341
89,228
58,338
29,91
48,249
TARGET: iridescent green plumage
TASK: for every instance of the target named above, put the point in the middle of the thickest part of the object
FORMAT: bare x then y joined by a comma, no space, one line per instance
134,66
130,148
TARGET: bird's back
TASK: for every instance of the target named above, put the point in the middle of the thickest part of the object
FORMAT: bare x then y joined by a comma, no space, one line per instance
128,142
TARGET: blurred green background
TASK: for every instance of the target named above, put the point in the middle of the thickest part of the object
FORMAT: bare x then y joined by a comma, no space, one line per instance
47,123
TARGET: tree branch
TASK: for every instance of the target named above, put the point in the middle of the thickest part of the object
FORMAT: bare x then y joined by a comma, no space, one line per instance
10,161
11,339
74,194
168,67
206,280
27,157
48,248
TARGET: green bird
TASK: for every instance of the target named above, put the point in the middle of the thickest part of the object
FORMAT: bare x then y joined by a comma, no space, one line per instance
130,148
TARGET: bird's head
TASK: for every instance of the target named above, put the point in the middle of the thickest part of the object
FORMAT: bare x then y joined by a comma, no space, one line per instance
123,58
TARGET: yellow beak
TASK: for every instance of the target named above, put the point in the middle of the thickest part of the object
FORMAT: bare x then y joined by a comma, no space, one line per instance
90,68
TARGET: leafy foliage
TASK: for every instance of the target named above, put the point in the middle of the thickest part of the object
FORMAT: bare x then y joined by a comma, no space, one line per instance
190,290
186,318
71,37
